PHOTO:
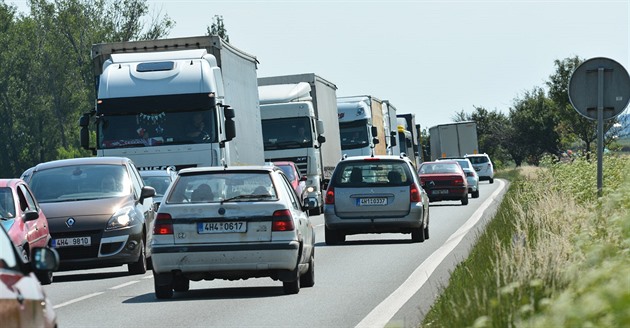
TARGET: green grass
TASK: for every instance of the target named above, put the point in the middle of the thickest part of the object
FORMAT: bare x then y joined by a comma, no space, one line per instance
554,255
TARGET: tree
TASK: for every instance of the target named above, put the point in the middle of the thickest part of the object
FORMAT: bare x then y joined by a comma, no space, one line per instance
491,132
218,28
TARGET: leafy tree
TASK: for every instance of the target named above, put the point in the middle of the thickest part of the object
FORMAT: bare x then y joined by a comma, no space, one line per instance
218,28
491,132
533,127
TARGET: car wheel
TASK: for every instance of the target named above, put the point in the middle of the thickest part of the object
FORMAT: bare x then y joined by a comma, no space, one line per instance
308,279
417,235
465,200
426,232
475,194
162,291
181,284
332,237
140,266
291,287
491,180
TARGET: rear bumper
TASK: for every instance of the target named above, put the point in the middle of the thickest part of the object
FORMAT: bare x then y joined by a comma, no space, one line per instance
367,224
453,194
200,258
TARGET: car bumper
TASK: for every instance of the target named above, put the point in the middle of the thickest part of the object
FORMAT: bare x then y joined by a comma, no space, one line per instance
108,248
193,258
452,194
412,220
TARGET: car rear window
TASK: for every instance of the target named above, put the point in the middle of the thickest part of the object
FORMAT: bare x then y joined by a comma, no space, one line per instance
478,159
436,168
372,174
221,186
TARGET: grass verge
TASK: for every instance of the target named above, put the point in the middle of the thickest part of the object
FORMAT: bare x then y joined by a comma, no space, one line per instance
554,255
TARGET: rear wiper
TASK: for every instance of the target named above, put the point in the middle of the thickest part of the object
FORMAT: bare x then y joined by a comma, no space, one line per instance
246,197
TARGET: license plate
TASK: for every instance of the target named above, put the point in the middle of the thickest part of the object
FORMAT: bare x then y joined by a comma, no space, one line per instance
221,227
440,192
76,241
374,201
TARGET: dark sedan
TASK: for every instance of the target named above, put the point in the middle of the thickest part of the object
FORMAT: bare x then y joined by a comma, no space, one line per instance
444,180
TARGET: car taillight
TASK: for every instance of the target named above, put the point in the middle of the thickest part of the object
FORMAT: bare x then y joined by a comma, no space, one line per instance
330,196
163,224
414,193
282,221
458,181
470,174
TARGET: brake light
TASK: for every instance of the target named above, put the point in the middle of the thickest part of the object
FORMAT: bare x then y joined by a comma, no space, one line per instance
163,224
330,196
414,193
371,159
282,221
458,181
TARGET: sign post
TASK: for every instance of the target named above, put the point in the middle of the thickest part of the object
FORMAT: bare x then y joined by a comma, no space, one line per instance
599,89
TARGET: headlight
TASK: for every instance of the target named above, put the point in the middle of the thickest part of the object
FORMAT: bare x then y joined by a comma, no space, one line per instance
310,189
122,218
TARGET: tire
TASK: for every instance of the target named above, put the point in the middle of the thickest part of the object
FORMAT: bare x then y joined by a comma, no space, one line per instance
491,180
291,287
426,232
181,284
140,266
308,278
475,194
465,200
162,291
417,235
331,237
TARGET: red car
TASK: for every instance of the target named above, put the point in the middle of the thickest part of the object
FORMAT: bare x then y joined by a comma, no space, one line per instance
296,179
23,219
444,180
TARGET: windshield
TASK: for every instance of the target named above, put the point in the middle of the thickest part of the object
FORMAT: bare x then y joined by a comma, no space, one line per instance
7,203
354,134
156,129
222,187
287,133
80,182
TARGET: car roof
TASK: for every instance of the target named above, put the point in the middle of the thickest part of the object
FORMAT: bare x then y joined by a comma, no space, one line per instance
9,182
386,157
82,161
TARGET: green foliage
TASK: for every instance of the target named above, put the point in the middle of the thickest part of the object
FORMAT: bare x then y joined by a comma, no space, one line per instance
48,80
218,28
553,256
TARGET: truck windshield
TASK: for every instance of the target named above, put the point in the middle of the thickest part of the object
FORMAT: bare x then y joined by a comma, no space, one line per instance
354,135
286,133
156,129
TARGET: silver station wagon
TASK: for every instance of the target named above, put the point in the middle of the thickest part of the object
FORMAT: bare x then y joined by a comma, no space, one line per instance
232,223
375,194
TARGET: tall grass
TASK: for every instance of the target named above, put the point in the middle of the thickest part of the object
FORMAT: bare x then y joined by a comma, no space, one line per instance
554,255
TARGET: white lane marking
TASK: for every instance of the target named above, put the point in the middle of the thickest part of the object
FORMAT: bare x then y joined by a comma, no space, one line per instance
77,300
125,284
148,277
384,312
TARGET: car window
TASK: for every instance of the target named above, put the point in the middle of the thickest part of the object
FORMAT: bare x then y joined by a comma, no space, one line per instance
159,183
372,173
464,164
219,186
435,168
287,186
288,170
80,182
28,198
478,159
7,203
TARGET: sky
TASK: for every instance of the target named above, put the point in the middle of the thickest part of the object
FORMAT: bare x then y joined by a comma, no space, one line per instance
431,58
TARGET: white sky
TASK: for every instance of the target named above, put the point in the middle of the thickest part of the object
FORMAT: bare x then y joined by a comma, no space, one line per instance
431,58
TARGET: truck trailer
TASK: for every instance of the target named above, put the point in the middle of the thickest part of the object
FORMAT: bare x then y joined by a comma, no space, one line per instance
409,137
453,139
361,125
390,126
299,123
182,102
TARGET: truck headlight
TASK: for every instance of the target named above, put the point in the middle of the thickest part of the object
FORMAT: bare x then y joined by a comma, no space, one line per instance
121,219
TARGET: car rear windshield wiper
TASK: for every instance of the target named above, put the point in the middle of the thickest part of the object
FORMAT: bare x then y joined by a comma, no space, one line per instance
246,197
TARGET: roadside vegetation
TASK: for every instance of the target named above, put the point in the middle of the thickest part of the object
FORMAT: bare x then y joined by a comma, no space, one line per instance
555,254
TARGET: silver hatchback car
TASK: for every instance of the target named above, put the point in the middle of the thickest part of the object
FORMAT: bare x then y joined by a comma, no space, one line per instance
232,223
375,194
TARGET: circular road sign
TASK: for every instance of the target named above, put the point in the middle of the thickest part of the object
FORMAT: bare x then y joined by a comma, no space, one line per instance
584,88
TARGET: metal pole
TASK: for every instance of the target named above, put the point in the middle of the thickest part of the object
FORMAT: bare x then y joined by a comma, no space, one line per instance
600,129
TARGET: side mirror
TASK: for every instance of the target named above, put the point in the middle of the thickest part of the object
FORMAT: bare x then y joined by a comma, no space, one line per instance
230,125
374,131
393,141
303,178
321,139
375,141
30,215
84,133
44,259
147,192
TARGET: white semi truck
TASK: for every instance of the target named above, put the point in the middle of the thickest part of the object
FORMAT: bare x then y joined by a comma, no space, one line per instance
361,125
183,102
390,126
297,111
453,139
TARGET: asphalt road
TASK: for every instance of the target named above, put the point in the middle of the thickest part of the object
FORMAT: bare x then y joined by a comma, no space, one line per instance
372,280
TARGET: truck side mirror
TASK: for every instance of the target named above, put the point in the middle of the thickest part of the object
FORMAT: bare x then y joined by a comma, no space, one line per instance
84,133
321,139
230,125
320,127
393,142
374,131
375,141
